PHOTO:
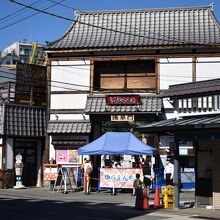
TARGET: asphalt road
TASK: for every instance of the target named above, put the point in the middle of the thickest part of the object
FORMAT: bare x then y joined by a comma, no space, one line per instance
42,204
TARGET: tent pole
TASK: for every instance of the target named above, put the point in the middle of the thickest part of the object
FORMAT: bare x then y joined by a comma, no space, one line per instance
176,172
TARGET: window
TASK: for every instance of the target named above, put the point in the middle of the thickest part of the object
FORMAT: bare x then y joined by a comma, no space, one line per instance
123,75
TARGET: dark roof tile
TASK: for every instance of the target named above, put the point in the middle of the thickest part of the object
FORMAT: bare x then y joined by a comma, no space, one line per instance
187,123
141,28
97,104
24,121
69,127
193,88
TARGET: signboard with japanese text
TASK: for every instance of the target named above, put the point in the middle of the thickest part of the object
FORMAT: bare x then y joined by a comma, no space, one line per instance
118,178
50,171
122,117
123,100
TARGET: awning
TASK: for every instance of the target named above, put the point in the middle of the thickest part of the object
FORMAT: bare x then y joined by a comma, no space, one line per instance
25,121
193,88
96,104
116,143
67,127
196,123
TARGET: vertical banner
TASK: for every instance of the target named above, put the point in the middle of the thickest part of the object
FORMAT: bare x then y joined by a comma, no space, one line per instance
118,178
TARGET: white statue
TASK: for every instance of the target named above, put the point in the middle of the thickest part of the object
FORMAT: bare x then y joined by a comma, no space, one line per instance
18,172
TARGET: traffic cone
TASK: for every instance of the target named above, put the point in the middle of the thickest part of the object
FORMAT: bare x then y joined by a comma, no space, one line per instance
145,200
156,197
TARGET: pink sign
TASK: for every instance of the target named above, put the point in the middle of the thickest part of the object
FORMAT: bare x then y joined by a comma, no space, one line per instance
118,178
62,155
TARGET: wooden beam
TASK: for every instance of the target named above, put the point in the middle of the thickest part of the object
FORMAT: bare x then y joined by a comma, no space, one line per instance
157,70
194,69
92,74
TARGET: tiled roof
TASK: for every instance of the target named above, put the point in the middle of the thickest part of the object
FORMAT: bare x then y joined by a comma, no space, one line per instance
24,121
141,28
72,143
188,123
194,88
96,104
67,127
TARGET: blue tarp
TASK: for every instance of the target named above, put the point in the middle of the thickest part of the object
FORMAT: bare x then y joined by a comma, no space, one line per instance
116,143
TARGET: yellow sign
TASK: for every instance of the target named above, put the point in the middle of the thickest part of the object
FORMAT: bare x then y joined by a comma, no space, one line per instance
122,117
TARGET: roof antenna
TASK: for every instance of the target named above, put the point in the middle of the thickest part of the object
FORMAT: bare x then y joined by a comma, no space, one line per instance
212,6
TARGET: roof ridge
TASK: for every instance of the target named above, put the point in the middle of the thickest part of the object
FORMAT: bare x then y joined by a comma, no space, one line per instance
145,10
128,31
193,83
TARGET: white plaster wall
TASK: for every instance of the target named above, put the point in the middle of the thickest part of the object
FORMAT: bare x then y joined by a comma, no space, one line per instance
51,149
172,72
68,117
207,70
68,101
10,156
75,72
9,49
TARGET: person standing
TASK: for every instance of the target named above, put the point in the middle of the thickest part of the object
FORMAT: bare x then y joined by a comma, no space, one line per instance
87,176
148,175
137,184
169,172
83,175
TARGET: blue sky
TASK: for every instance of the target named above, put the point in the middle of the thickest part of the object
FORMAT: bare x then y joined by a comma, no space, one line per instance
41,27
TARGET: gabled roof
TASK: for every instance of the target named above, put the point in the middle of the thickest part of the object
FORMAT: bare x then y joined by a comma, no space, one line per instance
96,104
145,28
193,88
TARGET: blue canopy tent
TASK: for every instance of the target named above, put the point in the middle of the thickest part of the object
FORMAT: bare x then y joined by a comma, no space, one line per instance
116,143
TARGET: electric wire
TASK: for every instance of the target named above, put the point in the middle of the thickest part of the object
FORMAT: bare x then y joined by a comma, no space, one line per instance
38,84
17,13
18,21
160,62
96,26
125,25
52,81
164,75
78,90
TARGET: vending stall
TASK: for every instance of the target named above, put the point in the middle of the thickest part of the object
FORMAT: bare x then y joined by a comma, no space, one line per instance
117,143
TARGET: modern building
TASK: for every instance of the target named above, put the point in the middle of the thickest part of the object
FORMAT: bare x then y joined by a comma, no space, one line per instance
20,51
114,65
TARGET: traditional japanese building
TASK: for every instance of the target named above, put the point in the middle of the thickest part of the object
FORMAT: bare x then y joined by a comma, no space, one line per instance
198,121
110,67
23,123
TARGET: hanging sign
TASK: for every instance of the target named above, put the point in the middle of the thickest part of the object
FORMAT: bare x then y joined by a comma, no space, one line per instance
122,100
122,117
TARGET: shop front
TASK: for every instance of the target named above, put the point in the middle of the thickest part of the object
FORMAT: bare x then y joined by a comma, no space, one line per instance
23,133
66,138
121,112
30,150
203,132
123,145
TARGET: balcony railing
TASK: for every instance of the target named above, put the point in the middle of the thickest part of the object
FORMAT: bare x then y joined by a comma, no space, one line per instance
199,105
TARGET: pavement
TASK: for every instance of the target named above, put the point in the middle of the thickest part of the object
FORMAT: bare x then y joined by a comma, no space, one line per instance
41,203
